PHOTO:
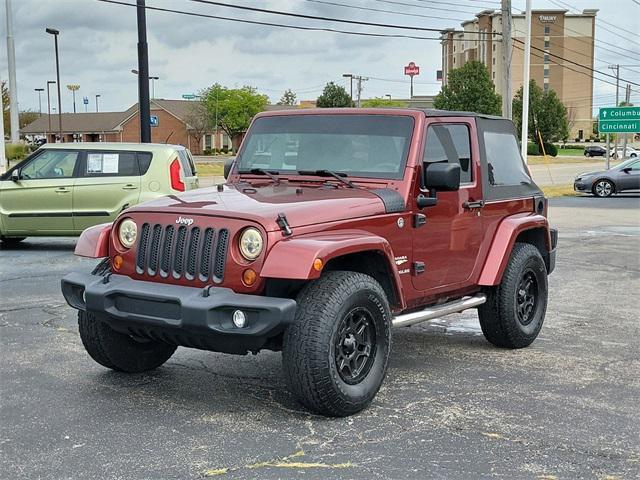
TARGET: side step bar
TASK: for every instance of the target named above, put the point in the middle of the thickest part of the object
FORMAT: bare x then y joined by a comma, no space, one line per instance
436,311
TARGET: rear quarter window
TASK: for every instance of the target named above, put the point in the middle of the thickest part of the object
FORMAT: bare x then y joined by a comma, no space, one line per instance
504,162
110,164
186,163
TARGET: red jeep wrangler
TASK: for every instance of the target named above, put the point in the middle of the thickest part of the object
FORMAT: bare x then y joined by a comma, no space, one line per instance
333,227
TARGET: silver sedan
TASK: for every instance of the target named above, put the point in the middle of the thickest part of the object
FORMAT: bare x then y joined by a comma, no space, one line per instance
604,183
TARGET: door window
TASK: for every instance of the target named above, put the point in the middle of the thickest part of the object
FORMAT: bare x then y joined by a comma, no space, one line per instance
51,164
450,143
112,164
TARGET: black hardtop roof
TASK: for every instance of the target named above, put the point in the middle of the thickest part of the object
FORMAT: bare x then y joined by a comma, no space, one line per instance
432,112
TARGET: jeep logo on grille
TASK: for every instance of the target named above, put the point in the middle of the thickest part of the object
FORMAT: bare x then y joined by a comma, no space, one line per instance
184,221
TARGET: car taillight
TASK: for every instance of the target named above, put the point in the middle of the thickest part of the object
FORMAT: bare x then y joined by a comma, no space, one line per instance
175,172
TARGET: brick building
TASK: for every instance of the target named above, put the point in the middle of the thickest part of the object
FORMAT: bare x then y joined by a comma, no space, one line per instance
168,126
555,35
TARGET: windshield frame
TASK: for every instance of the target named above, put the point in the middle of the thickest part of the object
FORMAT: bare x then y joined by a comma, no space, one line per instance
352,175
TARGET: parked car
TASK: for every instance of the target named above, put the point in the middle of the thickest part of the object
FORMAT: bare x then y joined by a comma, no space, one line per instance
604,183
64,188
621,153
594,151
375,218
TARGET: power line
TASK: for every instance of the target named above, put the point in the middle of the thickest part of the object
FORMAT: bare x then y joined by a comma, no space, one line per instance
571,7
325,19
272,24
457,4
384,11
404,4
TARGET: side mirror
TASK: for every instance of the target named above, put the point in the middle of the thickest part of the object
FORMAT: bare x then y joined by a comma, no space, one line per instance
443,177
15,176
228,165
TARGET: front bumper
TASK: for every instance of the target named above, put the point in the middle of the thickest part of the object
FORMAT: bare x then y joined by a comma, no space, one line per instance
188,316
582,186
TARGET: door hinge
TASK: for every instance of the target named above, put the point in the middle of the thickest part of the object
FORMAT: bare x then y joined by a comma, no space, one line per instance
419,219
418,268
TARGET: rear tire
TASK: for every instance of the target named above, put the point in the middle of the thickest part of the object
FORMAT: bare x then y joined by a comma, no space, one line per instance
514,311
118,351
336,353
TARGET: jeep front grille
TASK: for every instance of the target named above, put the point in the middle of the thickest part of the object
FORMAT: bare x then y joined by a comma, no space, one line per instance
182,252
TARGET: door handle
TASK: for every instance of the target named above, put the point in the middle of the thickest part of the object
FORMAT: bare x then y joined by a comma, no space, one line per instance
130,186
62,190
473,204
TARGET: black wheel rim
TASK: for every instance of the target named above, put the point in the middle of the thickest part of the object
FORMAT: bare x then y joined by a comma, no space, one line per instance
527,297
355,346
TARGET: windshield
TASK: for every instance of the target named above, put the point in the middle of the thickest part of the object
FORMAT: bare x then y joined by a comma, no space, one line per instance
357,145
624,164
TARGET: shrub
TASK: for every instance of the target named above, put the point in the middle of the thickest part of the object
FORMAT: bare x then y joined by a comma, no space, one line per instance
224,150
532,149
208,151
550,149
15,151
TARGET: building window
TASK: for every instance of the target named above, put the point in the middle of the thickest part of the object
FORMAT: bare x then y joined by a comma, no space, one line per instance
494,75
546,72
546,58
546,86
546,44
547,30
494,60
494,47
208,141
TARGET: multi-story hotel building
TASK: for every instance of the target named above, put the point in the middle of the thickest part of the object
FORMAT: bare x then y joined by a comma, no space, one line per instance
556,35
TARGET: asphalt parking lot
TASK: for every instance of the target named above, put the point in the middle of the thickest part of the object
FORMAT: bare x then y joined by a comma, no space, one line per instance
451,407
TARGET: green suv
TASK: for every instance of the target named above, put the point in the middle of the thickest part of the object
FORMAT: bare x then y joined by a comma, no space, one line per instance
63,188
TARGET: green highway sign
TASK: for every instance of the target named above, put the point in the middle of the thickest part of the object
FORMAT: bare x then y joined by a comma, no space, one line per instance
619,120
188,96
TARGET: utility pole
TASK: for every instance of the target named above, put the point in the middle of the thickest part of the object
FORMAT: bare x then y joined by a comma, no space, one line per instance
627,101
97,97
4,166
360,79
525,85
143,74
13,87
617,69
507,48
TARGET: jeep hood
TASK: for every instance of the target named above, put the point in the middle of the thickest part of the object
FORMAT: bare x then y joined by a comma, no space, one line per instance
303,205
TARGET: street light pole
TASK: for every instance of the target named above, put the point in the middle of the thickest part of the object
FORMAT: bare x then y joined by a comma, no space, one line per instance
350,77
49,83
74,87
97,97
143,74
55,33
39,90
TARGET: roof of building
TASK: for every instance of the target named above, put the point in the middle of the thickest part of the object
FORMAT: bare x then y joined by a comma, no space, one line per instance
76,122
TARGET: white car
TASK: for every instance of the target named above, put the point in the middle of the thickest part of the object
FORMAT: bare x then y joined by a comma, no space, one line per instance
629,153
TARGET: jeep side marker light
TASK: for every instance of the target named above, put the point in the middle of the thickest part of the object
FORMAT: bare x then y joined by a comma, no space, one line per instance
318,264
239,318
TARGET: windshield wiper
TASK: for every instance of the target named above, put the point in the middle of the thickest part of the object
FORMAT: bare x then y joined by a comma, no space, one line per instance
259,171
328,173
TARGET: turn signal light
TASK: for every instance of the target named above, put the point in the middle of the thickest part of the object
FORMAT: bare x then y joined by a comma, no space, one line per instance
117,262
249,277
318,264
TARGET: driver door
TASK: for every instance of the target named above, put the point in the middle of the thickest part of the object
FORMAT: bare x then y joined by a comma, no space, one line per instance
40,201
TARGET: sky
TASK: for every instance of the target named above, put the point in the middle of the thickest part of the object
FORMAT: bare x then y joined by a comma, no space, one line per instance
98,47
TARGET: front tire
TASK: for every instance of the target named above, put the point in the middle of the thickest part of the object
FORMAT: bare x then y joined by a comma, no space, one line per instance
335,354
514,311
603,188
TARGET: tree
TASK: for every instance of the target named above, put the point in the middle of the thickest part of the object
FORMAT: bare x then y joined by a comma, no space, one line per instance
469,88
547,114
198,120
334,96
382,102
232,109
288,98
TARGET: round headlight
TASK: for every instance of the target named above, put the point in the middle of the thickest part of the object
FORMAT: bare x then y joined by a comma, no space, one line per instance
127,233
251,243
